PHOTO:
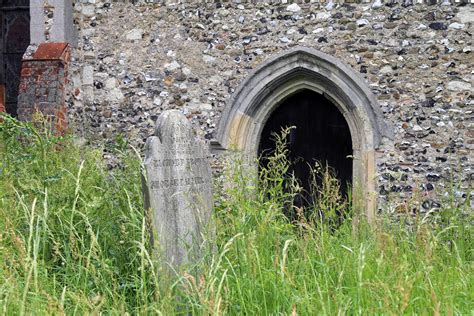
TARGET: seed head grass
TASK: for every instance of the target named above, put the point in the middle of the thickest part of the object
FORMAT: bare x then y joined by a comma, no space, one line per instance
74,240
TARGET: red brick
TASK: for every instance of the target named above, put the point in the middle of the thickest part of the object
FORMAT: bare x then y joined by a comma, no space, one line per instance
50,51
26,72
2,98
42,84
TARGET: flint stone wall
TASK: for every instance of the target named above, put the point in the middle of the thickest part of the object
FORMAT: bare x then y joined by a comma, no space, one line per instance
134,61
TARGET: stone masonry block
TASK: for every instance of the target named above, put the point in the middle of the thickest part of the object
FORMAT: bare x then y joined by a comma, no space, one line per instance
42,83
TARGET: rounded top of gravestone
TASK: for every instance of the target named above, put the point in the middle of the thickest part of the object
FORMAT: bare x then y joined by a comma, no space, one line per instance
170,123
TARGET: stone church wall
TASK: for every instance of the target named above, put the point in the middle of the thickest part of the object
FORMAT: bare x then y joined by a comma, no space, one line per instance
133,61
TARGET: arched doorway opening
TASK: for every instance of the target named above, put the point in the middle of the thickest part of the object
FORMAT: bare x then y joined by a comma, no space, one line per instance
320,135
268,86
14,40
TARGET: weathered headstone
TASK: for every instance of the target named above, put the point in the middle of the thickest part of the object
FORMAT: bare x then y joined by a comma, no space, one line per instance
178,190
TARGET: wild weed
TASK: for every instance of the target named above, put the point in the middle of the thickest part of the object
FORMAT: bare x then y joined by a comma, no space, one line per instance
74,240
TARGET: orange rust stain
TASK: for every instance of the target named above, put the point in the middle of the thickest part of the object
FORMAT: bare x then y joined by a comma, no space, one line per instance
61,121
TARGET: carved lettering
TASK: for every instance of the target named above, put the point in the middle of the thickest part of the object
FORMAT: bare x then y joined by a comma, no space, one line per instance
182,182
178,190
188,162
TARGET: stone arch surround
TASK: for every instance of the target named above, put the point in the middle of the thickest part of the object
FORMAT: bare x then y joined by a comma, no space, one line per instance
300,68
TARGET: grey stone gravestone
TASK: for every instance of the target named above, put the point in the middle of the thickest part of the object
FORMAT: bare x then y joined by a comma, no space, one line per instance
177,190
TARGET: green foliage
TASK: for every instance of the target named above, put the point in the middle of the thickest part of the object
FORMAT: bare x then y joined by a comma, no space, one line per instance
73,240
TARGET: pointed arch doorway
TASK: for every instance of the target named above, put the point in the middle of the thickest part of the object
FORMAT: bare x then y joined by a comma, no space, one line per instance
293,74
319,135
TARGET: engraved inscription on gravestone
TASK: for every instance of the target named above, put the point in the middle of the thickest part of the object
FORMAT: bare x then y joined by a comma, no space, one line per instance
178,189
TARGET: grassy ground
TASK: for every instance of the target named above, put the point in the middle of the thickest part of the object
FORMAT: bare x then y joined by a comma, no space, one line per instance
73,241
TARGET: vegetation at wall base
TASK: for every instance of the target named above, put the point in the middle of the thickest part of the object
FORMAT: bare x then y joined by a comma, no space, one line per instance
73,240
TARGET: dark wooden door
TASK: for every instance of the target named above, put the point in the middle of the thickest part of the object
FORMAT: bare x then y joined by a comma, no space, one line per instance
321,134
14,40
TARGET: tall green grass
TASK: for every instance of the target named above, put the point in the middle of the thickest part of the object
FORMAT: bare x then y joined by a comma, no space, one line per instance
73,240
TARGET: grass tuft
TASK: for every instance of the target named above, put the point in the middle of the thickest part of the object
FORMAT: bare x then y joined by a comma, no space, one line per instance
73,240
